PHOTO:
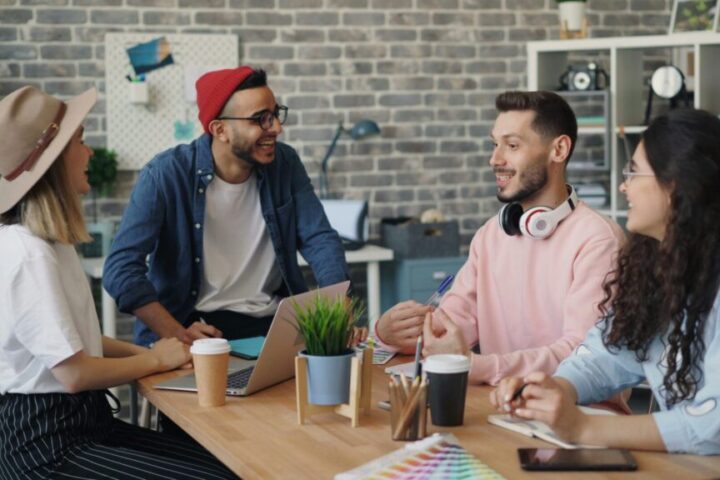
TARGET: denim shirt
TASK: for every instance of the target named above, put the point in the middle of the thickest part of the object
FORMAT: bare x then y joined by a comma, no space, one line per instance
165,216
690,426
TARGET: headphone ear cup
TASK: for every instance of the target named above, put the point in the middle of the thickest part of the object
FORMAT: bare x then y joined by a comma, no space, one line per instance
536,223
509,218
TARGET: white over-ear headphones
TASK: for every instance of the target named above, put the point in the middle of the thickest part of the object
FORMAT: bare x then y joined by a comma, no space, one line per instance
537,222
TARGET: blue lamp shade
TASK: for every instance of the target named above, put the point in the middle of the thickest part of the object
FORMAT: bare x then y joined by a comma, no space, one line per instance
364,128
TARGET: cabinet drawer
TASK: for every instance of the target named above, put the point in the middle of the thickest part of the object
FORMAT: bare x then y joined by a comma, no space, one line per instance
421,296
428,276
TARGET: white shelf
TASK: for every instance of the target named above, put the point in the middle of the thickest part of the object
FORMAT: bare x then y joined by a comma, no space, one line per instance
631,129
628,91
613,213
625,43
587,130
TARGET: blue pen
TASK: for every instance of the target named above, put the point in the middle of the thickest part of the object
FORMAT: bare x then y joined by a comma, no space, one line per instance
434,299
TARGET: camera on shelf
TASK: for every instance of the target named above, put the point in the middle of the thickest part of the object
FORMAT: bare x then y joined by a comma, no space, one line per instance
584,77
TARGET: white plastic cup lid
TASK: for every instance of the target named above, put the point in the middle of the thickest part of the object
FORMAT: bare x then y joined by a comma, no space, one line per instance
446,363
210,346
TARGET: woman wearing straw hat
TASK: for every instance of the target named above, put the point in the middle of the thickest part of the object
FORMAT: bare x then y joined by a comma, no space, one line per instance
55,420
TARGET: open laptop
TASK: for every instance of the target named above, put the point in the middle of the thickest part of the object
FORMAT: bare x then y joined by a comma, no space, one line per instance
276,362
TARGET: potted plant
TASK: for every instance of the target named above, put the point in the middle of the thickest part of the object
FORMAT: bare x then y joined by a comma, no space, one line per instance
327,326
102,173
572,14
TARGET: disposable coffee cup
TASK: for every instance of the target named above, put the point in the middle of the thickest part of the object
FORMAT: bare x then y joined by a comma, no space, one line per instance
447,386
210,357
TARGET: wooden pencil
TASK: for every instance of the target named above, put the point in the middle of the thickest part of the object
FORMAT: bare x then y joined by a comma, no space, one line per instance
394,407
405,388
422,406
408,410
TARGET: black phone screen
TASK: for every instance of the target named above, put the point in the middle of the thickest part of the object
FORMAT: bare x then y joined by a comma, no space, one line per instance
580,459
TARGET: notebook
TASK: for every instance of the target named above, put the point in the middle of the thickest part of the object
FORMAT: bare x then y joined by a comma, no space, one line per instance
247,347
437,457
534,428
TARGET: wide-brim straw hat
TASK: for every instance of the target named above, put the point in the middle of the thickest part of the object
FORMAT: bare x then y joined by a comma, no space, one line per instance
34,129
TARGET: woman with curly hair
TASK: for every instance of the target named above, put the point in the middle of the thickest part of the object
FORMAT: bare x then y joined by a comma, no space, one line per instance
661,311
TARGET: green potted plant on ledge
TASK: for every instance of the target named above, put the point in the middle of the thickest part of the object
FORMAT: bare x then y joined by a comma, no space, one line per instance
102,174
327,327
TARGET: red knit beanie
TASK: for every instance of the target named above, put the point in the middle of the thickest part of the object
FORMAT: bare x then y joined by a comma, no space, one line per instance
214,90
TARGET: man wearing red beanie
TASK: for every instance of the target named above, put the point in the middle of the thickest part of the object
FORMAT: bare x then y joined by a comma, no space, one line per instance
220,222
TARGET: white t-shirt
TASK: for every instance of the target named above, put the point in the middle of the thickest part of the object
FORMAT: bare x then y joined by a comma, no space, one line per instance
47,312
240,272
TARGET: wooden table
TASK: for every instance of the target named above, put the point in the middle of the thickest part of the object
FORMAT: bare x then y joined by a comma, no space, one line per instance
258,437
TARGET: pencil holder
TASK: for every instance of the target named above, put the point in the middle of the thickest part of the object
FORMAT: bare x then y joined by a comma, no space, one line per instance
408,410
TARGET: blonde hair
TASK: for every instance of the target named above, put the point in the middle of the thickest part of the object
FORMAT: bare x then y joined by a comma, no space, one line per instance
51,209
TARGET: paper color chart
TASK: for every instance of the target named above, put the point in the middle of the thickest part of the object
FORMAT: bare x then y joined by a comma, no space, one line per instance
441,461
441,458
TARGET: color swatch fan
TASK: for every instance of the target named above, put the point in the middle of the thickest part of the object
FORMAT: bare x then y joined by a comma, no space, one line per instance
438,457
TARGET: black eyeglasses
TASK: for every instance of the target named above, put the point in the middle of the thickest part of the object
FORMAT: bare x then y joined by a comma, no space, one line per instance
265,119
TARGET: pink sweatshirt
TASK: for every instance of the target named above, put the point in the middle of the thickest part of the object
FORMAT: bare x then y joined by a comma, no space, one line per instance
529,303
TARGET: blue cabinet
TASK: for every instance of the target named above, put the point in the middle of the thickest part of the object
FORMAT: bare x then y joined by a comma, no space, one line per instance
415,278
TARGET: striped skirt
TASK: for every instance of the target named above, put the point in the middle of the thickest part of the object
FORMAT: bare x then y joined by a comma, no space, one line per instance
59,435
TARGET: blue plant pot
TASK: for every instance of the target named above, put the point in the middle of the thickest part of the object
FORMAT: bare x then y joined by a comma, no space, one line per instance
328,378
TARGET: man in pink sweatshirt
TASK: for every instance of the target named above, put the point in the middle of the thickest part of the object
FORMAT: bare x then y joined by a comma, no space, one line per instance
529,291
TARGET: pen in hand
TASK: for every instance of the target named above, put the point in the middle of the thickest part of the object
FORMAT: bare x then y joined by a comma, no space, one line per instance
434,300
518,392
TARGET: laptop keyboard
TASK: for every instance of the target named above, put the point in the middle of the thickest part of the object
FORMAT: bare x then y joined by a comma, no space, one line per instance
239,379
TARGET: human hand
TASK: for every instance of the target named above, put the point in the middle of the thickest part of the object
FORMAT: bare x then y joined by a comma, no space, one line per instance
501,397
451,340
170,353
546,399
198,330
359,335
402,324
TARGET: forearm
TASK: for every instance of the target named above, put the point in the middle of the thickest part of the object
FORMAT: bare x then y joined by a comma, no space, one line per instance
567,388
82,372
160,321
637,432
492,368
113,348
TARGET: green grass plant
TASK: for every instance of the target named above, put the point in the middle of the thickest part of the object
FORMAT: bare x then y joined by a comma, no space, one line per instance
327,325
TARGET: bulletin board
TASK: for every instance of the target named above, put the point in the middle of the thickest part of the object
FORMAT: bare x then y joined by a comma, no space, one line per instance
139,131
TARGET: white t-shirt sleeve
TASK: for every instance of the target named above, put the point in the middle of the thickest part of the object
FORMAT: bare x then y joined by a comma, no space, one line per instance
43,322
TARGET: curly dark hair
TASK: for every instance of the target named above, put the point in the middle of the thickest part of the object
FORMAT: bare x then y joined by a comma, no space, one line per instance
668,287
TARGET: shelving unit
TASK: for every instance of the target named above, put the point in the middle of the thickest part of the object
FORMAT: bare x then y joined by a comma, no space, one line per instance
628,71
592,99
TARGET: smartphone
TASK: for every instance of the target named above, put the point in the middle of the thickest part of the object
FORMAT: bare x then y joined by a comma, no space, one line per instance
578,459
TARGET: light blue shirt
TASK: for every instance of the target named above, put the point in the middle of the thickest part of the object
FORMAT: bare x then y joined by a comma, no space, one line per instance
691,426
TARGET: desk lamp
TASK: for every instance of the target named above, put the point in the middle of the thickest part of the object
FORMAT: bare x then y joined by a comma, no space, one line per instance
362,129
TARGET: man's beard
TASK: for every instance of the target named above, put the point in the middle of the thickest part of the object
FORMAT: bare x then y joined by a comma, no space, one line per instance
244,155
532,180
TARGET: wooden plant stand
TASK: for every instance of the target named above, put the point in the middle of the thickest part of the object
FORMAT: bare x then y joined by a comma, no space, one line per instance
360,390
566,34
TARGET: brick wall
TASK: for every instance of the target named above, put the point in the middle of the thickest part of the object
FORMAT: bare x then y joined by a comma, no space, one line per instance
426,70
